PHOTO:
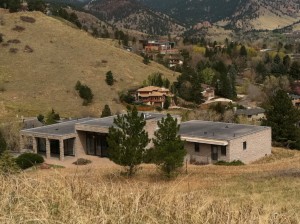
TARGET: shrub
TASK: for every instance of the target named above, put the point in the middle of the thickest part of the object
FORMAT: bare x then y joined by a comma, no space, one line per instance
1,37
14,41
233,163
18,28
27,160
13,50
82,161
28,49
158,108
85,93
126,97
27,19
7,164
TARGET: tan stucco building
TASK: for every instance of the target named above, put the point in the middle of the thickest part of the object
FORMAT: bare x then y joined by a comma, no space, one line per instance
77,137
209,142
205,141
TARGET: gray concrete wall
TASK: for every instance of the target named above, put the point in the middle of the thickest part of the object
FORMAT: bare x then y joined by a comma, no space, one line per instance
258,145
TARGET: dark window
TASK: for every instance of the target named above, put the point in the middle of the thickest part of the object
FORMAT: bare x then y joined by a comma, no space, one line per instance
244,145
197,147
223,150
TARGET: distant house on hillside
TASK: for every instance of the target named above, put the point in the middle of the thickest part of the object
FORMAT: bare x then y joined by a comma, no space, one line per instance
153,95
295,99
251,113
174,60
159,47
208,91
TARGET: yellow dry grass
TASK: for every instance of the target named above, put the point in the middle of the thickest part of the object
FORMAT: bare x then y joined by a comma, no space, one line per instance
270,21
44,79
264,192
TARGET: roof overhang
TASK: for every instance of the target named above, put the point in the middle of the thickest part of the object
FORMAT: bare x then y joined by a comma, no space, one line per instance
204,140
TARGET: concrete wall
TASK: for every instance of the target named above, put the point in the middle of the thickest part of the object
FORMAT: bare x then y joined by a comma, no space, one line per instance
80,144
258,146
204,155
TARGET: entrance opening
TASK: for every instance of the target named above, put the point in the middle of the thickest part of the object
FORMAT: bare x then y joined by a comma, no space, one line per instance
96,144
41,145
69,147
214,152
54,147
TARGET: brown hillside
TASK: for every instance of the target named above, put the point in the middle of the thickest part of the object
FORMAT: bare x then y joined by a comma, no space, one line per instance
35,82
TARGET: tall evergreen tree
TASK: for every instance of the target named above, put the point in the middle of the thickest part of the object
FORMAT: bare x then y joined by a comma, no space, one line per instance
106,112
109,78
282,116
168,149
232,73
243,51
127,140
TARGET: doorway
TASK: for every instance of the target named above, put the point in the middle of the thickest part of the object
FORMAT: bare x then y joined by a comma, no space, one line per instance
214,153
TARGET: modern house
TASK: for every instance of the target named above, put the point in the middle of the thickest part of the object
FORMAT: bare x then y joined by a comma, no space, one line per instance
252,114
208,142
153,95
205,141
77,137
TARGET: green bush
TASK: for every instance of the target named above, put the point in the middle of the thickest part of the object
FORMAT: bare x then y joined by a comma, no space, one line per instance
233,163
27,160
82,161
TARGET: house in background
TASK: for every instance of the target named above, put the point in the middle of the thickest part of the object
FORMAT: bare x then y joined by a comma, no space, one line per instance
295,99
153,95
252,114
205,141
208,91
208,142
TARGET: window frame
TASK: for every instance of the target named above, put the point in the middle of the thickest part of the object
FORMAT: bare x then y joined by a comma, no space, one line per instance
196,147
244,145
223,148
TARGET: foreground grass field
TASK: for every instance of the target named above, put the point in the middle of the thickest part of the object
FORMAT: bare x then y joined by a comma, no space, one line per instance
265,192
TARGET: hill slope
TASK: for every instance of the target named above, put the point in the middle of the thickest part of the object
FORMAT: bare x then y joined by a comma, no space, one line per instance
130,14
241,14
35,82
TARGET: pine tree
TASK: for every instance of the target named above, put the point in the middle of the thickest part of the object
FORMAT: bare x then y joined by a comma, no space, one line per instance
106,112
52,117
167,103
282,116
109,78
168,151
243,51
127,140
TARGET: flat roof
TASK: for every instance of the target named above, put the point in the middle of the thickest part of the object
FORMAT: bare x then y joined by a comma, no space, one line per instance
251,111
68,127
59,129
217,130
109,121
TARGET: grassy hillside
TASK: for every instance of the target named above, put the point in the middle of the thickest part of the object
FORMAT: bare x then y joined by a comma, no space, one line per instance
35,82
265,192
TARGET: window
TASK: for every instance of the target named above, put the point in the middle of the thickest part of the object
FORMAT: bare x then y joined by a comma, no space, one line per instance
244,145
197,147
223,150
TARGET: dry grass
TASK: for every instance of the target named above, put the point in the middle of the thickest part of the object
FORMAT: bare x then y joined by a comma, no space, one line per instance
45,78
257,193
